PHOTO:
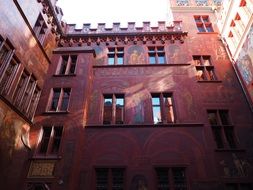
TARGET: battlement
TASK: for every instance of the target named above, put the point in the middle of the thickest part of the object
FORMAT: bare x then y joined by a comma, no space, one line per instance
131,28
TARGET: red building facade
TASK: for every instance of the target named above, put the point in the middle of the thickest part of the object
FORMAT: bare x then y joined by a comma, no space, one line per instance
137,108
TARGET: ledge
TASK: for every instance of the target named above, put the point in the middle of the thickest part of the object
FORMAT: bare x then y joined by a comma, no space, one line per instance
207,33
61,75
230,150
172,125
15,109
55,112
142,65
45,158
209,81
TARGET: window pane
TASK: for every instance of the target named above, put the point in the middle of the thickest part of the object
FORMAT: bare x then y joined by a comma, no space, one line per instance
179,178
73,64
65,99
110,60
3,54
117,179
107,117
162,178
224,117
218,137
161,58
119,110
169,113
120,60
157,114
197,60
209,28
212,118
155,101
57,139
229,133
201,28
56,95
152,59
45,139
231,186
101,179
63,65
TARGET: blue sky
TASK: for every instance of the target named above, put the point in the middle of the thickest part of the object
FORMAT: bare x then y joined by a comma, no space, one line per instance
109,11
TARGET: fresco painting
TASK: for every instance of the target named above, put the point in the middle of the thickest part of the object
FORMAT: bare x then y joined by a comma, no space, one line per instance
136,55
244,62
101,55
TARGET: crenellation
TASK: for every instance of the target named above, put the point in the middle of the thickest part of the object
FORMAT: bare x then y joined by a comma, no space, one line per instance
146,27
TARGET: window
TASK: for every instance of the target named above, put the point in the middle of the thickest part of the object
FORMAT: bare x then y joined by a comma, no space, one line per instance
182,2
204,68
156,55
60,99
110,178
238,186
113,109
33,104
203,23
67,65
201,2
171,178
40,28
163,109
116,56
38,186
222,128
8,74
51,139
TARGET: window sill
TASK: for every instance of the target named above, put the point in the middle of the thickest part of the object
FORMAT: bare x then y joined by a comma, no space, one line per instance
171,125
143,65
230,150
68,75
207,32
56,112
209,81
47,157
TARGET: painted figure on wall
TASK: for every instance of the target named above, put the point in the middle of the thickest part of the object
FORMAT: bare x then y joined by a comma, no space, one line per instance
246,68
101,55
177,54
136,55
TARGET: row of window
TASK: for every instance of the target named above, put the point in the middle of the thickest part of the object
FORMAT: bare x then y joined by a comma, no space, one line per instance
203,64
167,178
20,89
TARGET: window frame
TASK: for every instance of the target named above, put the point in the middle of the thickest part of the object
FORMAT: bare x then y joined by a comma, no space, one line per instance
163,107
60,99
49,145
156,52
203,23
69,62
115,53
204,72
114,98
40,28
220,129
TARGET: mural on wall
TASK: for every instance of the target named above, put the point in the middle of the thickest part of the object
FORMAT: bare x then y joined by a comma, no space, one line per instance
244,62
136,55
14,134
101,55
177,54
235,167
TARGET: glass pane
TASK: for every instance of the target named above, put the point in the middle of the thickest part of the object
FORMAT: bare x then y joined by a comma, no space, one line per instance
63,65
157,114
55,99
197,19
209,28
201,28
161,59
179,178
231,186
110,60
169,113
162,178
229,133
119,110
152,59
120,60
65,99
101,179
45,139
218,137
118,179
155,101
224,117
212,118
107,111
57,139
